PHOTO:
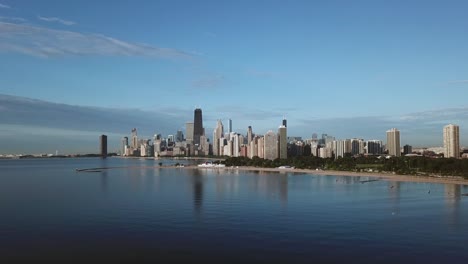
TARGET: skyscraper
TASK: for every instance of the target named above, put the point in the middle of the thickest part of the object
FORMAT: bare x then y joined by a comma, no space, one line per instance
393,142
179,136
103,146
451,141
197,126
124,145
134,142
271,145
282,142
230,125
217,134
285,123
374,147
249,135
189,132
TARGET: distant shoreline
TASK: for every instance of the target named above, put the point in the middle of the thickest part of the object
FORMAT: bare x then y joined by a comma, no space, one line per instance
384,176
380,175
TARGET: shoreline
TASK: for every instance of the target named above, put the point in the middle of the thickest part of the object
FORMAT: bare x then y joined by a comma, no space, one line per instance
380,175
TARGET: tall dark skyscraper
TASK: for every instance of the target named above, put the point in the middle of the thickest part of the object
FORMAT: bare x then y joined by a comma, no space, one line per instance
230,125
197,126
103,146
285,122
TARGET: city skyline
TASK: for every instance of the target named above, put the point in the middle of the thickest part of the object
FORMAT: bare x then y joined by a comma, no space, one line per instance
86,139
347,70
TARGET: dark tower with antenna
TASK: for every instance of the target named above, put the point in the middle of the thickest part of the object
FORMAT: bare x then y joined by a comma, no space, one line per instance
197,126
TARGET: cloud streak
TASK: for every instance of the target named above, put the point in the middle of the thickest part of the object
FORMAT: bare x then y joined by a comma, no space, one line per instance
56,19
45,43
4,6
14,19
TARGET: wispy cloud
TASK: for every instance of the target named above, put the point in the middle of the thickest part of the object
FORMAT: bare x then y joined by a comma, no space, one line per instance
4,6
13,19
209,82
56,19
26,111
46,42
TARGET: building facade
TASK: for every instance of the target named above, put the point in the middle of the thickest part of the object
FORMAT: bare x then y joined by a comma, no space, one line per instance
103,146
451,141
393,142
270,146
197,126
282,142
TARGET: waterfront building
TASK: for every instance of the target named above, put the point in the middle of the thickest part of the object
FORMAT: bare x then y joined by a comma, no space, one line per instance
189,132
283,141
253,147
197,126
134,143
271,145
179,136
374,147
217,135
144,148
170,139
228,148
157,142
124,144
407,149
261,147
314,150
451,141
204,147
342,147
243,151
222,143
249,135
357,146
393,142
325,153
103,146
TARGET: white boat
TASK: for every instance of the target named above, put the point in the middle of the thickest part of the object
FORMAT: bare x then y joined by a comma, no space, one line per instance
210,164
285,167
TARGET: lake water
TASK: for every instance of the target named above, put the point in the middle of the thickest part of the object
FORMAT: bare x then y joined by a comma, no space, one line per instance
49,212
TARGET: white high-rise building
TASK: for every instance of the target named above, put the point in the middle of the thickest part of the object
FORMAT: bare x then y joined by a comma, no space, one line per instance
271,146
451,141
253,147
217,135
393,142
261,147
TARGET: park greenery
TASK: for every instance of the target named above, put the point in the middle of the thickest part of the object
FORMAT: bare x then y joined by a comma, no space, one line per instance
399,165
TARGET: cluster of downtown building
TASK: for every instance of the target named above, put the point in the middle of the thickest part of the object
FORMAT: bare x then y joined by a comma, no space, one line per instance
272,145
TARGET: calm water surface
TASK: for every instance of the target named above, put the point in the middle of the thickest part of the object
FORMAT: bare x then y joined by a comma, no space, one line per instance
49,212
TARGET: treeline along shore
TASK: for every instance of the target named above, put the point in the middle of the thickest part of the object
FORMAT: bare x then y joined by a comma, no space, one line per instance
417,166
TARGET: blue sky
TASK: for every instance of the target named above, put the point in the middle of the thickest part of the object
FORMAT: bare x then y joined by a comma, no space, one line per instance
346,68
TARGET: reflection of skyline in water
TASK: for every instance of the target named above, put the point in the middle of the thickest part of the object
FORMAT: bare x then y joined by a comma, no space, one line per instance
227,184
452,194
197,181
